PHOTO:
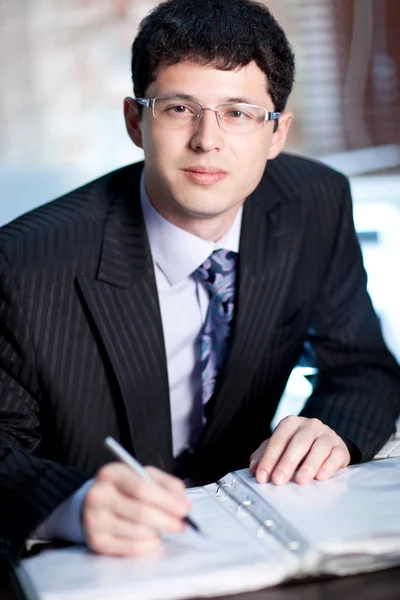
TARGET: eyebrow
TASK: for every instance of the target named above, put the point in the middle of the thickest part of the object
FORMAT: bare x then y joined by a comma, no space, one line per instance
189,97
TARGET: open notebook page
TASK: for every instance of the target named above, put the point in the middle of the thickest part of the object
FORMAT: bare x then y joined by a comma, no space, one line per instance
228,558
355,514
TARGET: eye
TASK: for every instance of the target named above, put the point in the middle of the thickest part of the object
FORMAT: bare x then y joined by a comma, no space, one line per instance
237,114
180,110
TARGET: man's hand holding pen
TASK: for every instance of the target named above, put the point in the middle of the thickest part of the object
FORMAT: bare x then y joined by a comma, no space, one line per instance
123,513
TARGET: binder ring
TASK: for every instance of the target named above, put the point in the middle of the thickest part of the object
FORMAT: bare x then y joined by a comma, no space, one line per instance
243,504
222,485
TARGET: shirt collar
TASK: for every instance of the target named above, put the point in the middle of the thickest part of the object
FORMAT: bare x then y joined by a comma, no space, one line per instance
177,252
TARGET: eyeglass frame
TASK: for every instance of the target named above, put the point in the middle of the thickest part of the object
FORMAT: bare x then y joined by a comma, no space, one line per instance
150,103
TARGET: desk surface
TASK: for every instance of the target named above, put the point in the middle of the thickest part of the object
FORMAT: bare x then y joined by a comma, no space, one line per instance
374,586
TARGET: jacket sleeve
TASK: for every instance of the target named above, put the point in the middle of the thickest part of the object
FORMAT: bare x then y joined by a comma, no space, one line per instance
30,486
356,390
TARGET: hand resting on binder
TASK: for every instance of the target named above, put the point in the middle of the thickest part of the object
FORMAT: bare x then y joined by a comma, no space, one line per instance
123,514
299,444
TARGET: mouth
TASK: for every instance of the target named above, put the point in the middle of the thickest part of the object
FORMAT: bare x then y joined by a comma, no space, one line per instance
205,175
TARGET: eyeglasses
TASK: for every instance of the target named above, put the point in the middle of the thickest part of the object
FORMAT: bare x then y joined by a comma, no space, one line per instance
232,118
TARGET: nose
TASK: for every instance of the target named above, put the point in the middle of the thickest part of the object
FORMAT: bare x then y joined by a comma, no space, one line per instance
208,135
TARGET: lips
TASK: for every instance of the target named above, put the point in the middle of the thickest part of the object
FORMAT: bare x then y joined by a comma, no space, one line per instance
205,175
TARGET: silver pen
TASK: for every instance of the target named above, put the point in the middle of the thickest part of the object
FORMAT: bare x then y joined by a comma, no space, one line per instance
128,459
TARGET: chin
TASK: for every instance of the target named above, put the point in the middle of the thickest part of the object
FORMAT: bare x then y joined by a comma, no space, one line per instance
203,209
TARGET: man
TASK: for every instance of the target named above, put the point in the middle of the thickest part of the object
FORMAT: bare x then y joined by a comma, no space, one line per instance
167,306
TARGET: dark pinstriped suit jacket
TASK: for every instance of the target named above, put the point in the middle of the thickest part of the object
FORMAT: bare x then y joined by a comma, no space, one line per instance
81,342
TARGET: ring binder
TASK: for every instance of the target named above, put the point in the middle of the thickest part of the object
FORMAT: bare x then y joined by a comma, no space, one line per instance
256,536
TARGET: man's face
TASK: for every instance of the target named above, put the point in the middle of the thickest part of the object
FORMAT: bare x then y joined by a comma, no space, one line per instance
200,171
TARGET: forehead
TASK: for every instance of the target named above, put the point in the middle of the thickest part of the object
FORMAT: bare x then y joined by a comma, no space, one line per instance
208,84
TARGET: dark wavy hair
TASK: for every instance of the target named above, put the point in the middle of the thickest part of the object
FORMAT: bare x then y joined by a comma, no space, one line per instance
224,34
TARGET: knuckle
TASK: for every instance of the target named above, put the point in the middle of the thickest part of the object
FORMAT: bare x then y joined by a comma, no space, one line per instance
290,419
95,496
339,444
341,451
339,441
325,441
315,423
104,473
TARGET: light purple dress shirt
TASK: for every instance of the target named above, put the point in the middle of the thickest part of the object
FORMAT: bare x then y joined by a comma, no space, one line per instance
183,304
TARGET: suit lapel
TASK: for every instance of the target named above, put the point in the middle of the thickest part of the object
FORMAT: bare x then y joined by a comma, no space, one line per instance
268,253
123,304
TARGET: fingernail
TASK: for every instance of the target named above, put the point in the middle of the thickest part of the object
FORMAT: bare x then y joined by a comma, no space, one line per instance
262,476
279,478
302,476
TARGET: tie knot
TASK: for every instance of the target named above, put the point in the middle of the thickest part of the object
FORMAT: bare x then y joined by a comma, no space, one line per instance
219,272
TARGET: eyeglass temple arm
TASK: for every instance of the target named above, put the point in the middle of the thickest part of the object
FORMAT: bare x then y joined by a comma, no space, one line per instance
145,101
272,116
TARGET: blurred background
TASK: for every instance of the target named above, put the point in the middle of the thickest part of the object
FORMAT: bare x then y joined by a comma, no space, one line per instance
64,70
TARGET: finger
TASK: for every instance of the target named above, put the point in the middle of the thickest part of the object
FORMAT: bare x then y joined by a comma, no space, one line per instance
102,522
103,496
320,450
253,464
109,545
338,459
173,484
276,446
135,487
148,515
256,456
295,452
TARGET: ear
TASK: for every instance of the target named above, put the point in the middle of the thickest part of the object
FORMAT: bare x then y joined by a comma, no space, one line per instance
280,135
133,121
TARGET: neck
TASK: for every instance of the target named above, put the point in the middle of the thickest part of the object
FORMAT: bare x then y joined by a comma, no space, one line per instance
210,228
207,228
